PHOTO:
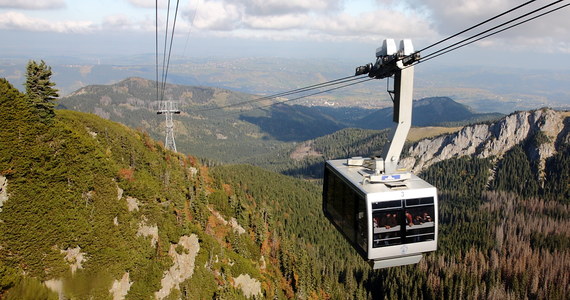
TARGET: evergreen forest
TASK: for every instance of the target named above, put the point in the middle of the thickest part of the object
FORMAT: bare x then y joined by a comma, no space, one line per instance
92,209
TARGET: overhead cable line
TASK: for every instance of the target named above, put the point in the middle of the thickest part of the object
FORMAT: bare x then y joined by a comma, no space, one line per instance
191,26
162,79
426,57
317,86
297,98
320,92
433,55
439,52
295,91
156,47
170,48
477,25
167,49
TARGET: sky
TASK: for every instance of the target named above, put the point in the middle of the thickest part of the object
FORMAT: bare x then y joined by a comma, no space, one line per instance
341,29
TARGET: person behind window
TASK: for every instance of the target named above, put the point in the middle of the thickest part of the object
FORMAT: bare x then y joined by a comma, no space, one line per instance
409,219
418,220
393,220
426,217
384,221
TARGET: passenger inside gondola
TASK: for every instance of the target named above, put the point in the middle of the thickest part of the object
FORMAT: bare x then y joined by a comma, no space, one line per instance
426,217
418,220
409,219
388,221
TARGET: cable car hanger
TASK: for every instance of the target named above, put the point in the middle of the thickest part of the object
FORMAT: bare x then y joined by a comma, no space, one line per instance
398,63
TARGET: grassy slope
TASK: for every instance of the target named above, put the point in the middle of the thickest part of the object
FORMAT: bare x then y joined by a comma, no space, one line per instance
420,133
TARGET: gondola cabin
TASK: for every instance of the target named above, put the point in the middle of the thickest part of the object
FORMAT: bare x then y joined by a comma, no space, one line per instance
388,214
389,224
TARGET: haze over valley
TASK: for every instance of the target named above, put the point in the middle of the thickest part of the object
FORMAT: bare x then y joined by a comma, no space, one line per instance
484,88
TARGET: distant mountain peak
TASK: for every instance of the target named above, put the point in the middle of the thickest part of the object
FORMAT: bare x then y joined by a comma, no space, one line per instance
137,80
443,102
432,111
432,100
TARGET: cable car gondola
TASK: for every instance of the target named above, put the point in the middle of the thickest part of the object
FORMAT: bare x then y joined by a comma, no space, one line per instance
388,214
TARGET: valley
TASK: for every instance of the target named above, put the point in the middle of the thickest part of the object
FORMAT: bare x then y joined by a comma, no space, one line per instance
247,150
121,217
233,135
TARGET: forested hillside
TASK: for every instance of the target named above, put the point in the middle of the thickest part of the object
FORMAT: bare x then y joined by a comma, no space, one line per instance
494,243
306,160
212,126
504,219
93,209
133,103
503,235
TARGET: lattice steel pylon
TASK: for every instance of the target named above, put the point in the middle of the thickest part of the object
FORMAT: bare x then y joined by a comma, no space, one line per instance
169,108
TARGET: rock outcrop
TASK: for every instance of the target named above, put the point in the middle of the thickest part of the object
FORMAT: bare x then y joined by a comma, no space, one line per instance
249,286
133,203
492,140
120,288
183,266
75,258
148,231
233,222
3,192
56,285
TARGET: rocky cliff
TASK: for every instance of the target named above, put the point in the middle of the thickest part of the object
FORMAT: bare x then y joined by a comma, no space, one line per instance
542,129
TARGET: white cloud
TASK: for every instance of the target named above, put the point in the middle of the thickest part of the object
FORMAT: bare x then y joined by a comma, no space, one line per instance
18,21
281,7
424,21
144,3
226,15
454,16
162,4
219,16
301,19
450,17
283,22
119,22
32,4
376,24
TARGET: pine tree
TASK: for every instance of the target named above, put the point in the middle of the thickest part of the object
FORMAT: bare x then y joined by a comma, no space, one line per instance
39,89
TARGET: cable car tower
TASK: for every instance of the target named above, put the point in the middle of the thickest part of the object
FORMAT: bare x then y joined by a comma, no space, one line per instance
388,214
169,108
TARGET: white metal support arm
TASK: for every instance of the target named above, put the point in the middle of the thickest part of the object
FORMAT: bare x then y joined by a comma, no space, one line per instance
391,61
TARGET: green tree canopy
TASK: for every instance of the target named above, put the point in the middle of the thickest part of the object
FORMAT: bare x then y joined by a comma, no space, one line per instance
39,88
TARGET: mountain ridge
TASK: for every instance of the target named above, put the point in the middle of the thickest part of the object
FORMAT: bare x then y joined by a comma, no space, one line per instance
94,206
208,132
494,139
431,111
542,132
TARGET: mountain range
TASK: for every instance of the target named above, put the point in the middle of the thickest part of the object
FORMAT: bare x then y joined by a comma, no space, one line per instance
484,88
91,208
232,134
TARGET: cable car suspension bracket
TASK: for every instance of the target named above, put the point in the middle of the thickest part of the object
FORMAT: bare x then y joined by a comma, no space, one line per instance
398,63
